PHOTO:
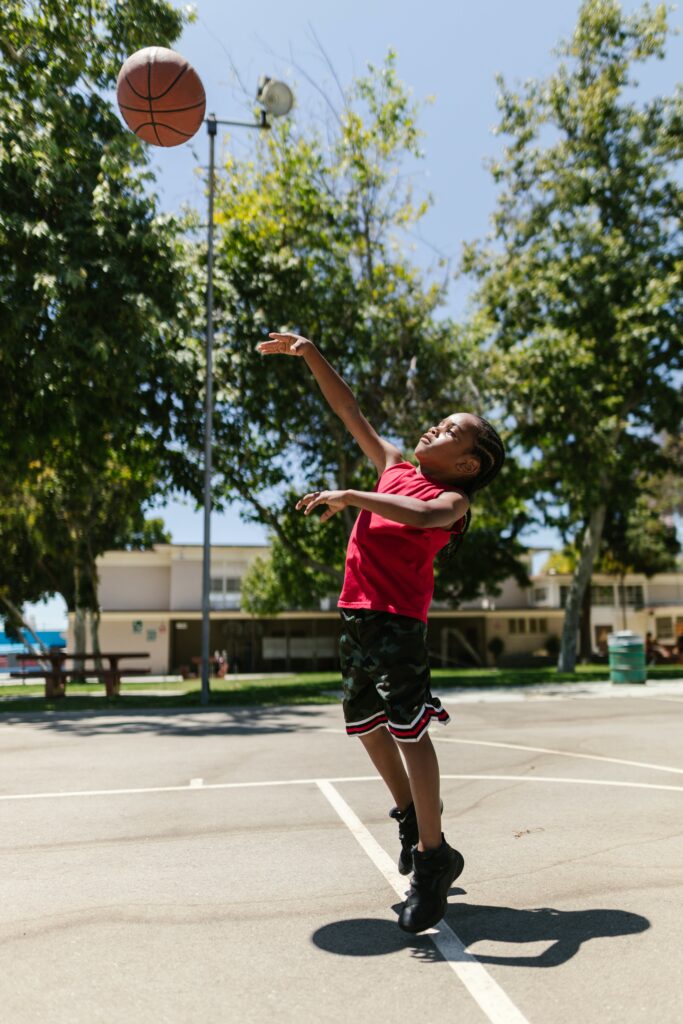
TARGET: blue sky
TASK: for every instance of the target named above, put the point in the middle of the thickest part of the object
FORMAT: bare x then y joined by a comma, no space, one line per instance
446,49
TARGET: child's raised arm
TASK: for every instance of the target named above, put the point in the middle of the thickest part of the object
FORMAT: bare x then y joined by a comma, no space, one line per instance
338,395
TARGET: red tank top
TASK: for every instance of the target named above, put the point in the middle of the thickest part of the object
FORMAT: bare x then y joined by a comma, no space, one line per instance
390,566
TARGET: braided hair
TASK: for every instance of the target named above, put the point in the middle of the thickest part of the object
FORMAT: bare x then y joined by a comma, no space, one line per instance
490,451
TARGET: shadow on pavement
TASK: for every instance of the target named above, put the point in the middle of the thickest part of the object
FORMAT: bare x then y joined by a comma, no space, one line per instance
566,930
176,722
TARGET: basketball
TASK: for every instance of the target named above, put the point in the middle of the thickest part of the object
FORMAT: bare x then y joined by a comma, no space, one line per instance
160,96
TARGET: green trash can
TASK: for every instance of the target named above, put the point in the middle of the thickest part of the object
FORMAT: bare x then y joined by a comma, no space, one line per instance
626,657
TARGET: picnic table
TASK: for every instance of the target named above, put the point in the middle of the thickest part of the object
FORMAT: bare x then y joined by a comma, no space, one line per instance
57,675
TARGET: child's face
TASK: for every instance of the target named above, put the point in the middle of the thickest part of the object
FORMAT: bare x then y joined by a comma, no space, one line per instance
446,450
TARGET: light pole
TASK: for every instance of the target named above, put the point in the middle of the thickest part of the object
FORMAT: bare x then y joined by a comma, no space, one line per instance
276,99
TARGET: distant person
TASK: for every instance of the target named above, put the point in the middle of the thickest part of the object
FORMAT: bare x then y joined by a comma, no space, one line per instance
388,585
656,653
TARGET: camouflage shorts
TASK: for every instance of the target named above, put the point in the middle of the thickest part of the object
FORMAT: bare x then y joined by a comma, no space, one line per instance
385,675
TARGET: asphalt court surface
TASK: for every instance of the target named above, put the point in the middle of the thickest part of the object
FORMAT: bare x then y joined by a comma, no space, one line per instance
240,865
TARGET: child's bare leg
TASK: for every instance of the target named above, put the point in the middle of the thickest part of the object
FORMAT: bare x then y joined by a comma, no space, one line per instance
423,770
386,758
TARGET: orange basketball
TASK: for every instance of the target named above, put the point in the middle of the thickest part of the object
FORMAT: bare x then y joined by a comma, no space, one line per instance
160,96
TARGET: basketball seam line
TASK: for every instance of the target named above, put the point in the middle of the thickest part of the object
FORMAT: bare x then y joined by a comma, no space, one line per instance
169,87
149,94
132,87
167,110
161,124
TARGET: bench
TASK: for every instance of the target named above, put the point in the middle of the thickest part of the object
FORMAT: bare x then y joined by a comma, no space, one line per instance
57,676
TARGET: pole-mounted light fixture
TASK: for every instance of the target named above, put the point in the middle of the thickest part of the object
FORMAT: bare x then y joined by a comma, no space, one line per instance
276,99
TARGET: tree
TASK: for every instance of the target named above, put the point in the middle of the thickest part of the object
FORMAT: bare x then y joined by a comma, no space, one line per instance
143,535
311,235
496,646
640,538
580,285
93,357
57,525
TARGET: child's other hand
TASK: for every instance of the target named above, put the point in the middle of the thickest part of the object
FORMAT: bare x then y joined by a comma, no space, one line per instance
335,501
284,345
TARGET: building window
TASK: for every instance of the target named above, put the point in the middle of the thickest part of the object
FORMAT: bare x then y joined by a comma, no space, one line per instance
533,625
225,592
540,594
664,627
602,596
633,595
564,594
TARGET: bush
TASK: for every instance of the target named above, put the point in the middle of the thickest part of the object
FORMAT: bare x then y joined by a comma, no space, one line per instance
552,645
496,646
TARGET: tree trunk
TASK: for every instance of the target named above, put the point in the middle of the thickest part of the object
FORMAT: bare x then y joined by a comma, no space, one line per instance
622,600
585,638
95,637
79,638
16,618
582,574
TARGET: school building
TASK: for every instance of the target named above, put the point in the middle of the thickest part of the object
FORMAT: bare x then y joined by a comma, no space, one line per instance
151,602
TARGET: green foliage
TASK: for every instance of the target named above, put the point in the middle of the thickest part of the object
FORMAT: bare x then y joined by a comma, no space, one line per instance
641,537
563,562
552,645
283,582
144,535
55,523
54,46
92,352
496,646
583,293
579,292
311,237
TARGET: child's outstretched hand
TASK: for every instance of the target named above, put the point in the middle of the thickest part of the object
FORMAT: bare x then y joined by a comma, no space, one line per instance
284,345
335,501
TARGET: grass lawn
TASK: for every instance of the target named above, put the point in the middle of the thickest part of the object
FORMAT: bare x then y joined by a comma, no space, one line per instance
305,688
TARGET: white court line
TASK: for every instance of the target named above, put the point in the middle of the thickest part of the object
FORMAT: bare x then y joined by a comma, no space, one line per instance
161,789
486,992
541,750
314,782
561,753
576,782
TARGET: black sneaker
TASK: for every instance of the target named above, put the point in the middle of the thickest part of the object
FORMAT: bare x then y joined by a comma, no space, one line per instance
434,873
408,833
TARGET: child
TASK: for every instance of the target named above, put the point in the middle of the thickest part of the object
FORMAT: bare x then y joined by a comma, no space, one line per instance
388,587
